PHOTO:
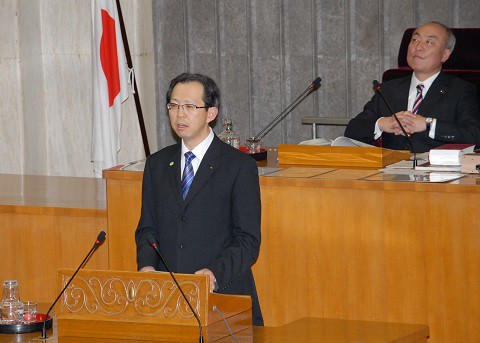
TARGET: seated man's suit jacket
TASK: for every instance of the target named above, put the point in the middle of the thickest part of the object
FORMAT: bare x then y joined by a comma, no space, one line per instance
450,100
217,226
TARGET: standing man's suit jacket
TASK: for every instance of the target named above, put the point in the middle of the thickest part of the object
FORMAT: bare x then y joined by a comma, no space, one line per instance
217,226
452,101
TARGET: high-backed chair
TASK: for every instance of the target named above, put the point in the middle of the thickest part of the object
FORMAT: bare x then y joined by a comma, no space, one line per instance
464,62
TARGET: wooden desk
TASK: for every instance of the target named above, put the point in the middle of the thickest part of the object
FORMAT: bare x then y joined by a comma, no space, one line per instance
306,330
47,223
355,249
337,246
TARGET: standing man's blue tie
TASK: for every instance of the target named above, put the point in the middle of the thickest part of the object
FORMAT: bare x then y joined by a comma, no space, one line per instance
188,174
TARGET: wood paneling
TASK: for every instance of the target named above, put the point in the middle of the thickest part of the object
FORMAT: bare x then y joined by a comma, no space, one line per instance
124,199
47,223
348,248
339,156
341,248
398,252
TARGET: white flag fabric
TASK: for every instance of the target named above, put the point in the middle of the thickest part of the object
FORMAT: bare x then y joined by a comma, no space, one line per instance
110,89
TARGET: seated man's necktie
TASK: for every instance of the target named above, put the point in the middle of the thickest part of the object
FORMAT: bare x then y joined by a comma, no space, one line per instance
418,99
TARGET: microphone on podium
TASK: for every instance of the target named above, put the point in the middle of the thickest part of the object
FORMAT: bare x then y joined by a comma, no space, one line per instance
378,87
153,243
312,87
99,241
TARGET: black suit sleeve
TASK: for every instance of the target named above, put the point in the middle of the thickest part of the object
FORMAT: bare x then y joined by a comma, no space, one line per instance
362,127
146,255
466,126
244,248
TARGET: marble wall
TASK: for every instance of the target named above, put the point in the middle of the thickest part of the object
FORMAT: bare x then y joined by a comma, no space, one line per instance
263,53
11,117
46,88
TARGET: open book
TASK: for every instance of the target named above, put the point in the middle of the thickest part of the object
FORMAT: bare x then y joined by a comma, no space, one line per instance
339,141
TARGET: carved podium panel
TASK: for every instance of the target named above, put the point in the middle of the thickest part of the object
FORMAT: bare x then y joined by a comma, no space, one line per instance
146,306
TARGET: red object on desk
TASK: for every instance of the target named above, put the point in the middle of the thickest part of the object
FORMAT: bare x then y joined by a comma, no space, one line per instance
259,156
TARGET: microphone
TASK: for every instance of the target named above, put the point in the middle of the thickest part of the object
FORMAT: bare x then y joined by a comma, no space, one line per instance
99,241
312,87
377,87
153,243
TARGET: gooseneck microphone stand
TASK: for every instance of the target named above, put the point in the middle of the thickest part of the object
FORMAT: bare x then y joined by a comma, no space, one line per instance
312,87
100,239
377,87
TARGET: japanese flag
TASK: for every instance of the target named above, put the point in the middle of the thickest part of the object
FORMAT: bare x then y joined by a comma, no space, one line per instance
110,76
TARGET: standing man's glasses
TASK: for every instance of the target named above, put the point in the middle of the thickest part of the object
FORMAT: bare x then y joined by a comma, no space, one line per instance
189,108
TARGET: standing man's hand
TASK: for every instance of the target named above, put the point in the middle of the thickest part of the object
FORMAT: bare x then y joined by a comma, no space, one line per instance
208,272
147,269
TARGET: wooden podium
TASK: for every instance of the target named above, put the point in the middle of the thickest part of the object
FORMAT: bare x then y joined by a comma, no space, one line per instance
147,306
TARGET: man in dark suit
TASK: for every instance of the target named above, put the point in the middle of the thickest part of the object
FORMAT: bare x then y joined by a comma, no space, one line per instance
202,209
434,108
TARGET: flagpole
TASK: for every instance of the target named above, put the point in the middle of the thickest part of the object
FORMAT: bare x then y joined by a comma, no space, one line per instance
135,95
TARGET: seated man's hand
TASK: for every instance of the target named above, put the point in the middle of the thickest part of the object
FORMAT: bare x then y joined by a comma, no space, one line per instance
389,124
147,269
413,122
208,272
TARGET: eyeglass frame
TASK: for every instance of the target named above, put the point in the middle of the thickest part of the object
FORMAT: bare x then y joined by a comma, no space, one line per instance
169,107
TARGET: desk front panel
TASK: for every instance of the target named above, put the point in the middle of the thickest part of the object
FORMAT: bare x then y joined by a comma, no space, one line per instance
352,249
371,251
47,223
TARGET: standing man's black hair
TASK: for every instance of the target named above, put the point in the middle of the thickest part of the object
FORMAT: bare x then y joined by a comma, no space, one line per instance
211,93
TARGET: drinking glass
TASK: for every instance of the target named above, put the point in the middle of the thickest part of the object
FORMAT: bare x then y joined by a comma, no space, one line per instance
10,291
11,308
29,311
11,312
253,145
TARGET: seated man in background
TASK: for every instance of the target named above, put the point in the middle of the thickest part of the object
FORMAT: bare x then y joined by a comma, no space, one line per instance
433,107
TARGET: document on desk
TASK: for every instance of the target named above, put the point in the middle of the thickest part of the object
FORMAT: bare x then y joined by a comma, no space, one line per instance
299,172
135,166
339,141
262,171
408,164
405,175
